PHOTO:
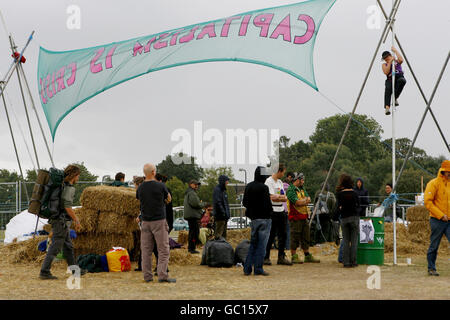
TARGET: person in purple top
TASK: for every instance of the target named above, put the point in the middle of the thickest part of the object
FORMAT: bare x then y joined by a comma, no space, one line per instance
400,80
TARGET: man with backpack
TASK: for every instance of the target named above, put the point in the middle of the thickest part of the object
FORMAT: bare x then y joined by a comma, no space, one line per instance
322,228
221,208
61,222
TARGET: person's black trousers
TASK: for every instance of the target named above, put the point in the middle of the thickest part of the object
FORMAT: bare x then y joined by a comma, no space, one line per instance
194,231
278,229
400,82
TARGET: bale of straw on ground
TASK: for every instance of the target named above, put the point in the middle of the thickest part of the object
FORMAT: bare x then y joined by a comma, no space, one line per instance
121,200
24,251
100,243
234,237
182,237
88,219
419,227
182,257
112,222
417,213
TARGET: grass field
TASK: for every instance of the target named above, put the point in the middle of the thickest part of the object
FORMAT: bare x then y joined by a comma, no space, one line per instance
326,280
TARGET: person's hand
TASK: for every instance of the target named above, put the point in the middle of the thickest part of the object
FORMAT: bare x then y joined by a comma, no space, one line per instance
445,218
308,200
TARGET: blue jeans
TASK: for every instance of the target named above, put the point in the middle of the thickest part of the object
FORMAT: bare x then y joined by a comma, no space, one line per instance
438,229
341,252
260,230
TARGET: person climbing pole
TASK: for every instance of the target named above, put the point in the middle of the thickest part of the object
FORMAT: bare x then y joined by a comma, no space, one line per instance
400,80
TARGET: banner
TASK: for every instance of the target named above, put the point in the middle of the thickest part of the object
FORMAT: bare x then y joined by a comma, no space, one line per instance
282,38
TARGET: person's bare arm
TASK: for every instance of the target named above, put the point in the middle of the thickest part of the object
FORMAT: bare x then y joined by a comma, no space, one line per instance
387,67
169,198
74,217
278,198
399,56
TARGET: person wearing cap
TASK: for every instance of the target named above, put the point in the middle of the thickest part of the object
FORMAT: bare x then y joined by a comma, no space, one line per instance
298,200
437,201
193,213
400,80
221,208
287,182
278,228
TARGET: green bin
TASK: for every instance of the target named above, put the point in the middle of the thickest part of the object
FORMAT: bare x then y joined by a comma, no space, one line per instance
372,253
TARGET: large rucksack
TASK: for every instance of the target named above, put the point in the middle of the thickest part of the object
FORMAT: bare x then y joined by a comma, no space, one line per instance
218,253
46,198
241,252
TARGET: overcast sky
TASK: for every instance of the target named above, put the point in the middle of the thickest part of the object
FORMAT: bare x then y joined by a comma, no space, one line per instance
131,124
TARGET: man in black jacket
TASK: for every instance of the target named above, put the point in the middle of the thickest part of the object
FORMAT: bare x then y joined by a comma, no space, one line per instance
258,208
221,209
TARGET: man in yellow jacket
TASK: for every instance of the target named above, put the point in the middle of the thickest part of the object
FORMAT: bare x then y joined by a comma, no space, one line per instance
437,201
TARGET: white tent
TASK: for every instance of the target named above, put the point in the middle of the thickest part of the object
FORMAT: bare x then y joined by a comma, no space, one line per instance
21,227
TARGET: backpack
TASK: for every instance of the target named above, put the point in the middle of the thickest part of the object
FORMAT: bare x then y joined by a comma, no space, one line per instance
46,197
218,253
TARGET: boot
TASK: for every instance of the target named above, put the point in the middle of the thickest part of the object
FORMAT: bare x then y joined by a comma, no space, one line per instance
267,262
295,259
310,258
284,261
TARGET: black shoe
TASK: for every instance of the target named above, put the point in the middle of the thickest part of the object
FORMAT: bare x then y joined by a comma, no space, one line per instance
247,274
387,111
267,262
433,273
169,280
354,265
262,274
193,251
284,261
138,269
347,265
151,280
47,276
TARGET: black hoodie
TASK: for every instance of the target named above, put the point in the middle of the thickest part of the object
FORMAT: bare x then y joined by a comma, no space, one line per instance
363,197
257,198
221,209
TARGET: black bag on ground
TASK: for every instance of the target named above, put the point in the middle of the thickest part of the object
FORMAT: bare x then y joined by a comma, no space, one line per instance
91,262
241,252
218,253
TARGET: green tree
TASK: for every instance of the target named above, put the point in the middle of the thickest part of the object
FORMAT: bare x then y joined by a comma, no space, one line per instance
177,188
183,171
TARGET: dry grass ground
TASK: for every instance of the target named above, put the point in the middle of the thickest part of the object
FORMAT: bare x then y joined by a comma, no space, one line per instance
326,280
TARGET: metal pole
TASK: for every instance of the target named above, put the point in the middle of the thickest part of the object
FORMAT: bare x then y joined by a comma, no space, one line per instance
447,145
14,64
388,23
17,197
393,75
25,106
36,113
421,122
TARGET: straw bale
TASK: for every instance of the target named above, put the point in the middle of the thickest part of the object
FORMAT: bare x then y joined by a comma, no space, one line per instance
417,213
100,243
419,227
182,257
88,219
121,200
112,222
182,237
23,251
234,237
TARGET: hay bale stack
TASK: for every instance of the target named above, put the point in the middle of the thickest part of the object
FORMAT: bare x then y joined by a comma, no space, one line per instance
417,213
100,243
112,222
234,237
120,200
88,219
404,244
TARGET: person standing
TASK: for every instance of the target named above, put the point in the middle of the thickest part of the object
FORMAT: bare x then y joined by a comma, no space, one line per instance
193,214
259,209
119,180
400,80
298,200
137,181
347,209
323,229
169,206
437,201
61,223
153,196
363,195
287,182
221,208
278,216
